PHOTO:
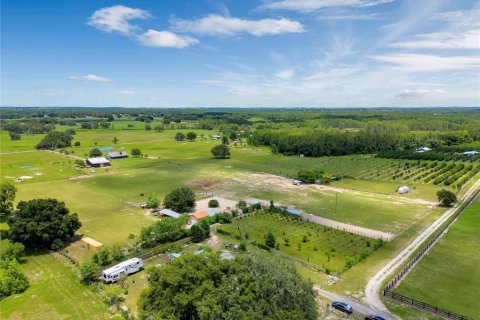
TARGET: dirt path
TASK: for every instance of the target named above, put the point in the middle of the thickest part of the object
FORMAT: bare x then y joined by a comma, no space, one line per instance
373,288
370,233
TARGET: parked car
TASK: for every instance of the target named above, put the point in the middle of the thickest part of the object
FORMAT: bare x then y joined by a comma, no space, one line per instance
373,317
342,306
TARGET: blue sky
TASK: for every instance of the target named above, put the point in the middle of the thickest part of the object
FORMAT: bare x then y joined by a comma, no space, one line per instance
240,53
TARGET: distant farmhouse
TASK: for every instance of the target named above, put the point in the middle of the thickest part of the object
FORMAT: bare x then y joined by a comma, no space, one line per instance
423,149
117,155
98,162
471,153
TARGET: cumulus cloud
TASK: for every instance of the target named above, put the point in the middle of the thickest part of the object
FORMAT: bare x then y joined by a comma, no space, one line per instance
166,39
91,77
429,63
225,26
285,74
117,19
314,5
409,94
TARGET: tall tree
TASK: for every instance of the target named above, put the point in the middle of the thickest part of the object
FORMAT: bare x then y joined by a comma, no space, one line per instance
191,136
221,151
38,222
446,197
181,199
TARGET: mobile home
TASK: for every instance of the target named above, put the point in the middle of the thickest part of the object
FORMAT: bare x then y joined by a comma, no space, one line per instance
124,268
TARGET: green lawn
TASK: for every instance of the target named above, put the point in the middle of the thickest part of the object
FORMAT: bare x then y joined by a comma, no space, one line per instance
325,247
55,293
449,275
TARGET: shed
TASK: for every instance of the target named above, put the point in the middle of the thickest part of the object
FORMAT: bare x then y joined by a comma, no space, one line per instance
215,137
403,190
169,213
91,244
117,155
98,162
194,218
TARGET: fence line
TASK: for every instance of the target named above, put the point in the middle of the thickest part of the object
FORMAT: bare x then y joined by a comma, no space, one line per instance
387,291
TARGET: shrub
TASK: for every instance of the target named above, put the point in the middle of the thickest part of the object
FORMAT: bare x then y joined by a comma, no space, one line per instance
213,203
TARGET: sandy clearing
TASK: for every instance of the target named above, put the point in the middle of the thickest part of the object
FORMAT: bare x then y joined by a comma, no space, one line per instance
225,204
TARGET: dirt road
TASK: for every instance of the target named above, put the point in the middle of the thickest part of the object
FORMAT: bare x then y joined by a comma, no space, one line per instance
370,233
373,288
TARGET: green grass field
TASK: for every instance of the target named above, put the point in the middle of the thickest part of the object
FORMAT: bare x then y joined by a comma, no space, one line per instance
326,248
449,276
55,293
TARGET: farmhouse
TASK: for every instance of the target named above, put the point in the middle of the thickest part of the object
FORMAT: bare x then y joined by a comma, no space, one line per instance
471,153
91,244
98,162
117,155
403,190
423,149
194,218
168,213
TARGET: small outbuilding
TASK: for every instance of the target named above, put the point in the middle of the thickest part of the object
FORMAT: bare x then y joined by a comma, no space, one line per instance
215,137
98,162
296,182
403,190
169,213
91,244
471,153
194,218
117,155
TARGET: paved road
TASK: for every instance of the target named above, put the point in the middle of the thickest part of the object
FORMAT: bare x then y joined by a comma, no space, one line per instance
358,307
370,233
373,289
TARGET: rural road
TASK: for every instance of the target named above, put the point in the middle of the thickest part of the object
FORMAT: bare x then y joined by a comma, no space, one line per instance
373,288
357,306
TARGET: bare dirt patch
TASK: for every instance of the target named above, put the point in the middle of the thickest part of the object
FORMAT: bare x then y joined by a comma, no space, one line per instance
224,204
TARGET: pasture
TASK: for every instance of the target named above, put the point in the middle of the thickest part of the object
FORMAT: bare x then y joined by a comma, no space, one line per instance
55,293
453,261
326,248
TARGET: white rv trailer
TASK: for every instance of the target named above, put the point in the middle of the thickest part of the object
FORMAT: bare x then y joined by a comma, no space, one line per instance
128,267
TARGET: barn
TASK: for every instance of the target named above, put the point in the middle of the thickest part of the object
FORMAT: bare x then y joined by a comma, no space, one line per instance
98,162
117,155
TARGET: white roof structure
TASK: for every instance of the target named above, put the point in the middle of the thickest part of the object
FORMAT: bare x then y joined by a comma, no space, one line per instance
100,160
170,213
471,153
423,149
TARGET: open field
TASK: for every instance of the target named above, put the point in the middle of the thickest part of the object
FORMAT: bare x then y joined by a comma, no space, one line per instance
453,261
55,293
324,247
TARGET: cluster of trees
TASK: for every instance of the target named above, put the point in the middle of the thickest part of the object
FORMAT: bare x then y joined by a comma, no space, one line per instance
181,199
317,142
12,279
33,127
95,125
313,176
190,136
88,270
56,139
163,231
200,231
200,287
446,197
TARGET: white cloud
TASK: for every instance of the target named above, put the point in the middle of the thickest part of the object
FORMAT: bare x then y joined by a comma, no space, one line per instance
409,94
285,74
314,5
443,40
166,39
218,25
125,92
91,77
429,63
350,16
117,19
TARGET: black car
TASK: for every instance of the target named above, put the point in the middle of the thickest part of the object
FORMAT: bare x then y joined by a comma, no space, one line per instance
342,306
373,317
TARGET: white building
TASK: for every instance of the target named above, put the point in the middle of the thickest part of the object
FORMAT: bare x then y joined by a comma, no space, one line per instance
403,190
423,149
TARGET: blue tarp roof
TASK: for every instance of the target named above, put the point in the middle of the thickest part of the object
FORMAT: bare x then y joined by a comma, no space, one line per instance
170,213
213,211
294,212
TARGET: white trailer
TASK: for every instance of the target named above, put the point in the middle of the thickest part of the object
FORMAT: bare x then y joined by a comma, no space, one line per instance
124,268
